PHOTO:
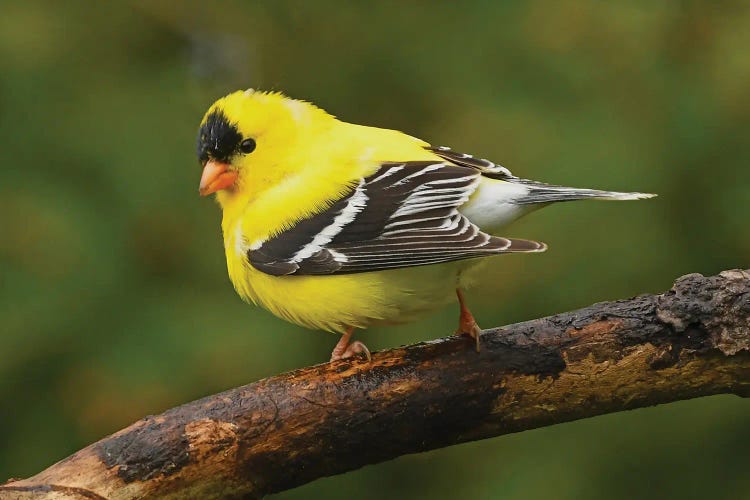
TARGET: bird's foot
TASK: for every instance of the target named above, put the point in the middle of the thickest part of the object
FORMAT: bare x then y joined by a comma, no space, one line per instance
356,348
467,325
346,349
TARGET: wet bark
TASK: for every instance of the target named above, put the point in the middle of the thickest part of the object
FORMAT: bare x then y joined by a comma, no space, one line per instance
290,429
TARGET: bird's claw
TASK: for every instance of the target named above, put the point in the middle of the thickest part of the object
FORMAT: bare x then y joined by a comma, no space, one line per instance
356,348
469,329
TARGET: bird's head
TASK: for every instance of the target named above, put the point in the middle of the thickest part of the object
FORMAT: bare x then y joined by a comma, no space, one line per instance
246,141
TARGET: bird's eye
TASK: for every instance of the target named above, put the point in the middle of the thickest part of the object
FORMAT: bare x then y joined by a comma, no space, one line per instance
247,146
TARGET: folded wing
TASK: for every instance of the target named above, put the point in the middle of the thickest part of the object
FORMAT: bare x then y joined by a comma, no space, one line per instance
403,215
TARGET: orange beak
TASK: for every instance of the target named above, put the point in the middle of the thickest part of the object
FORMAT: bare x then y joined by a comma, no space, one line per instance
216,176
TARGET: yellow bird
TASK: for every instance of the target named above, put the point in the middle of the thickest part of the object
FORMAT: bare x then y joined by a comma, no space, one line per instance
336,226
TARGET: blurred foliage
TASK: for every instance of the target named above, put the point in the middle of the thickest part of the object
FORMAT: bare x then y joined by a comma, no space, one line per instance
113,292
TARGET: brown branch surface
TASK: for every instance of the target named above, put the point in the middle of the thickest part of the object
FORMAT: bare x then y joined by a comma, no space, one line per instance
290,429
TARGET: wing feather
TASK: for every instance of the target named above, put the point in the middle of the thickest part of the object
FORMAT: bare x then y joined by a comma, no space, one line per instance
403,215
486,167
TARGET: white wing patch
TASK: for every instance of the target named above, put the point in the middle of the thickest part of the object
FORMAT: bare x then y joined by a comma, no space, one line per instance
355,205
387,173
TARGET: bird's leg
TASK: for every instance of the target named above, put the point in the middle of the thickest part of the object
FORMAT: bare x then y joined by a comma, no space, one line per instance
344,349
467,325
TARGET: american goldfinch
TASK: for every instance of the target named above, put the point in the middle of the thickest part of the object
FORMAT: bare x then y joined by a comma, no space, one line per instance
336,226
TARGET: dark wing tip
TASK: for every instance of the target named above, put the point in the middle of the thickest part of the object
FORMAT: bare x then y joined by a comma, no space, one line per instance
525,246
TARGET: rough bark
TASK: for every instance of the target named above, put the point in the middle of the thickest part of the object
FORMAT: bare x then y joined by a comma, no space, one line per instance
287,430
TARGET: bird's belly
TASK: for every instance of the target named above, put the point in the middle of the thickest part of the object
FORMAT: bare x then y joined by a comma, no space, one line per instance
334,303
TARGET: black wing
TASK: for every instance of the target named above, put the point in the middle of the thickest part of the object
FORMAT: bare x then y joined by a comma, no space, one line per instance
403,215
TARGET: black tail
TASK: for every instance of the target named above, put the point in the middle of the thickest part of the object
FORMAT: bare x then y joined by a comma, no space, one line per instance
540,192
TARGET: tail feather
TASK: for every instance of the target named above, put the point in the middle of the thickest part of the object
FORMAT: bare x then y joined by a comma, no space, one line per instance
539,192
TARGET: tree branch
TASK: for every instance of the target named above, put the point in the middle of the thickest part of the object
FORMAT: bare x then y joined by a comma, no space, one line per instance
293,428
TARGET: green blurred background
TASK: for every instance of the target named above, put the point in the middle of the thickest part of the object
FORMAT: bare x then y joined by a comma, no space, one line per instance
114,298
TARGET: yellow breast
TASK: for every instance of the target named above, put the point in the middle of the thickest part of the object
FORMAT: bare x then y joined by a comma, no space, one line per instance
333,303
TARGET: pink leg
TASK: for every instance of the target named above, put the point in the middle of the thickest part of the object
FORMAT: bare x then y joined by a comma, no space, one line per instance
346,349
467,325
